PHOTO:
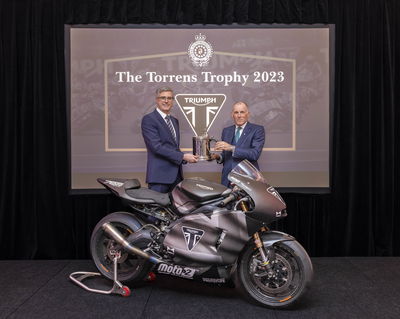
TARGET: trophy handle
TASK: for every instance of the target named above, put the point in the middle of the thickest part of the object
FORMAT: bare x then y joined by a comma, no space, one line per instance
212,140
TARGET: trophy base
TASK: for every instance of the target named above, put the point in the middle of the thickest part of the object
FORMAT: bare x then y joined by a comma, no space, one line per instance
204,158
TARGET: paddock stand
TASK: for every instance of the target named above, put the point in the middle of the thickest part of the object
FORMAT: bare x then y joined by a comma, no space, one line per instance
117,288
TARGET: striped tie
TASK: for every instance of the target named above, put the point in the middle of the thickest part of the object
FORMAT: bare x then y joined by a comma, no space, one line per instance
171,128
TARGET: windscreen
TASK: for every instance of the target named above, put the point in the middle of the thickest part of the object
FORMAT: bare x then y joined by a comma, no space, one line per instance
246,169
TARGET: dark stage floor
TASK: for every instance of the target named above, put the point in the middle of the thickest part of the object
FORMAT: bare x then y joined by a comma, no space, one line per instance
355,287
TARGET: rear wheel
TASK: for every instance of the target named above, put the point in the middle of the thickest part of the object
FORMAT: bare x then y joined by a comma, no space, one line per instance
282,282
130,268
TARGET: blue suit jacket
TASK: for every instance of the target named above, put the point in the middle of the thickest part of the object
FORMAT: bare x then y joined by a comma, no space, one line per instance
164,157
249,146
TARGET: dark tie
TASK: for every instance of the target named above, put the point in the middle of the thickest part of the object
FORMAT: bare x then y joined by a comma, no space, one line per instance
237,134
171,128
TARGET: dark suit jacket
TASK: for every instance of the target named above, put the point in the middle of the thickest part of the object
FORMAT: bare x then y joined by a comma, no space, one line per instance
164,157
249,146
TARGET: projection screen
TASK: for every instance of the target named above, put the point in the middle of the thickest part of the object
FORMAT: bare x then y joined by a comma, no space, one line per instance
284,74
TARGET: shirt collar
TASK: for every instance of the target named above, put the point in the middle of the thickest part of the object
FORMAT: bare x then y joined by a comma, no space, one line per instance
162,113
243,126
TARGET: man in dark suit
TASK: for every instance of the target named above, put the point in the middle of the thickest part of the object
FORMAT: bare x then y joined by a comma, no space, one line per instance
160,131
243,140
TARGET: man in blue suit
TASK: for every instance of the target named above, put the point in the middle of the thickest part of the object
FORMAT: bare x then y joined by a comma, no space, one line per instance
160,131
243,140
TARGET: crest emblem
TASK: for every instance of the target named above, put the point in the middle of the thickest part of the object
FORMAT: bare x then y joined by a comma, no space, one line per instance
192,236
200,110
200,51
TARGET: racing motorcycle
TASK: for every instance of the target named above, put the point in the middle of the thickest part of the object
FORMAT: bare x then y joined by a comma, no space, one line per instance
204,231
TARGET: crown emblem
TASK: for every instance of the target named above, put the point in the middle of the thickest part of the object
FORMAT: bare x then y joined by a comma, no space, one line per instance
200,51
200,37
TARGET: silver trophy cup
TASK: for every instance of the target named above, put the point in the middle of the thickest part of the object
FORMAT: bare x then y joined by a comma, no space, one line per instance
202,147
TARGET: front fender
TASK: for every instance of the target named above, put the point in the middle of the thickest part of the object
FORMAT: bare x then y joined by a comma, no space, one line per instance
272,237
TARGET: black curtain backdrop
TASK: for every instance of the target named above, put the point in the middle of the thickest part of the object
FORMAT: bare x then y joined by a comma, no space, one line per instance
38,219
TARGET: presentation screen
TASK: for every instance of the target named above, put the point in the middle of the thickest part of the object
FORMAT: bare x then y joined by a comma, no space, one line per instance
283,74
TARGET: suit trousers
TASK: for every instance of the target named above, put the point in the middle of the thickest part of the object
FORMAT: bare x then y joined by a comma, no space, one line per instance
165,188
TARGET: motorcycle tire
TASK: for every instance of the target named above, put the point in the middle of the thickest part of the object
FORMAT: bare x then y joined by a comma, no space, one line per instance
291,273
131,269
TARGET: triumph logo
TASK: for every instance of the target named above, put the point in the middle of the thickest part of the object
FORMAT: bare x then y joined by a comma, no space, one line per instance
200,51
200,110
192,236
205,187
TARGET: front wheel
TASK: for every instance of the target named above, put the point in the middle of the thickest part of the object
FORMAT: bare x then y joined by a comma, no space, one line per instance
282,282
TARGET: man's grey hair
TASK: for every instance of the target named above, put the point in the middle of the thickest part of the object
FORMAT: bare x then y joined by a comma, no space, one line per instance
163,89
240,102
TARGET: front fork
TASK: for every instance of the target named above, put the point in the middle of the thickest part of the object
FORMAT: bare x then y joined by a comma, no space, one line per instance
267,255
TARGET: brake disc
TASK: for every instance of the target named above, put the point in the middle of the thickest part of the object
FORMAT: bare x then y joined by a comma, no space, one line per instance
275,279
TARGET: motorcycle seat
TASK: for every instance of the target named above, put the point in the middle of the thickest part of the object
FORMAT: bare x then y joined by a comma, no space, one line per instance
147,196
131,184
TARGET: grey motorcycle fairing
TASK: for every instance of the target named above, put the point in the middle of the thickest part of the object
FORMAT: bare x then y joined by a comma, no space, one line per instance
224,235
268,204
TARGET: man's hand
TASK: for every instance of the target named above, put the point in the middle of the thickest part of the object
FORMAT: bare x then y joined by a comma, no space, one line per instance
190,158
223,146
215,156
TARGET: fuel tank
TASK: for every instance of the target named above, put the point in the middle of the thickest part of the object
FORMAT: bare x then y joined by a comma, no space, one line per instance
194,192
211,237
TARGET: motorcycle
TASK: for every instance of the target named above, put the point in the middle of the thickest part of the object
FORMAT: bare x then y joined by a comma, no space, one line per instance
204,231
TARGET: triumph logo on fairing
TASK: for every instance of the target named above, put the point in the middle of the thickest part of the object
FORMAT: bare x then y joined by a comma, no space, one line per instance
200,110
176,270
113,183
192,236
205,187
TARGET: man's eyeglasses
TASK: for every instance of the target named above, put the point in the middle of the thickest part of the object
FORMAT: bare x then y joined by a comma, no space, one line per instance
164,98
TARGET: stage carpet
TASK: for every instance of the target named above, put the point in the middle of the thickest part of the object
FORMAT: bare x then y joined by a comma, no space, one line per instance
343,287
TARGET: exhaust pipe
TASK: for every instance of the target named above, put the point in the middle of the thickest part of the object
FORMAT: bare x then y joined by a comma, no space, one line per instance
117,236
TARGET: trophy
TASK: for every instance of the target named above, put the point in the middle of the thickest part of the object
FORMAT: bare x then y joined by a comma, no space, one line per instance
202,146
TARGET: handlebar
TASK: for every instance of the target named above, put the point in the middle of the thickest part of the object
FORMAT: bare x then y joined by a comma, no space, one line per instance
230,198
